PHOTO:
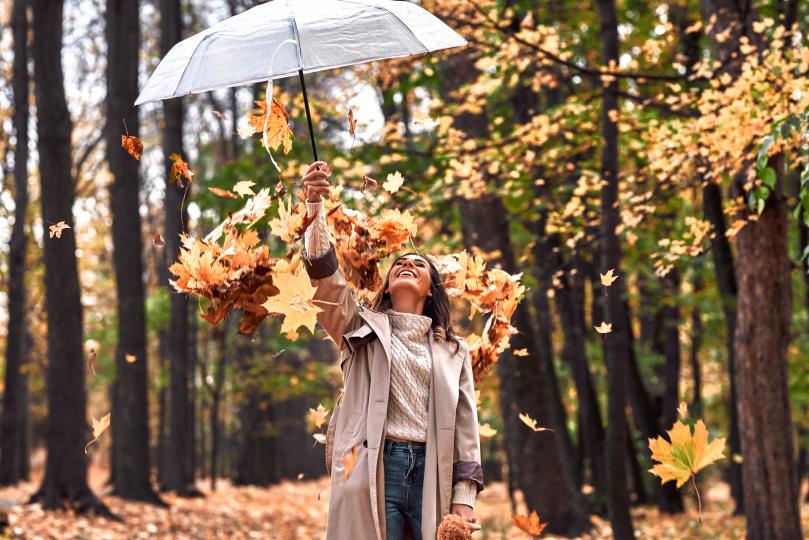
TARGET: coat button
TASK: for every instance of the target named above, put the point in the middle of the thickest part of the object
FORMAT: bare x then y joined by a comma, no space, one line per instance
365,443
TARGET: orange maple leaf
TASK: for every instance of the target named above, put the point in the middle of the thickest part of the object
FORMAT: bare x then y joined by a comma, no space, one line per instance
132,145
277,131
529,524
180,168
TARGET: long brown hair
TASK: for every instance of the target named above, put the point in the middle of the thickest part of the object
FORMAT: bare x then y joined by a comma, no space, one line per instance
437,306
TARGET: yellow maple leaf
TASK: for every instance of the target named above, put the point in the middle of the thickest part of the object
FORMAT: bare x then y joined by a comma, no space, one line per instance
521,352
608,278
393,182
294,301
682,410
686,454
287,222
277,129
604,328
318,416
242,187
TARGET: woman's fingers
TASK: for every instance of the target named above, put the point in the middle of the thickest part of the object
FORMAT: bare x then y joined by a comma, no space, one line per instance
316,165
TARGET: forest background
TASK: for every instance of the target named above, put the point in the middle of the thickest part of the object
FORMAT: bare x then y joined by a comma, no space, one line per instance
663,141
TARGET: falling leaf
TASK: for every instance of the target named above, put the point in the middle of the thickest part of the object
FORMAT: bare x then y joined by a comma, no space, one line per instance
56,230
428,123
180,168
604,328
368,181
132,145
487,430
393,182
294,301
300,476
91,360
529,524
288,222
219,115
158,240
318,416
219,192
530,422
99,427
242,187
130,358
686,454
349,459
608,278
682,410
521,352
319,437
277,130
352,123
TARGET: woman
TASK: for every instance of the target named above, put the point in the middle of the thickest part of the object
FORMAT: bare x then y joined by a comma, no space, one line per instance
405,442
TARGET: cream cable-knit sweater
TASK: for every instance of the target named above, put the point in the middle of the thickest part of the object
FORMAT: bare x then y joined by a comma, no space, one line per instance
411,363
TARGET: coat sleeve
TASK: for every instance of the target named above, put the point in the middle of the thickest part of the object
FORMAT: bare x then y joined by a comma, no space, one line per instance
466,458
340,312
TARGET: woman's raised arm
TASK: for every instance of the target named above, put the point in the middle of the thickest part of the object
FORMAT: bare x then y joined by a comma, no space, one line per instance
337,300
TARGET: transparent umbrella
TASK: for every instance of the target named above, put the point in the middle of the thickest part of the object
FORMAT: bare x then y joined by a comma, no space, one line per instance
284,37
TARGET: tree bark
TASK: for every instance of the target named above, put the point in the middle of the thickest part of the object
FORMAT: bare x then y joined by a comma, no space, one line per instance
762,338
616,344
131,469
66,466
14,451
178,474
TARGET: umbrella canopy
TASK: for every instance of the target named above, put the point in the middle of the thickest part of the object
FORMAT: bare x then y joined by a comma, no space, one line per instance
285,37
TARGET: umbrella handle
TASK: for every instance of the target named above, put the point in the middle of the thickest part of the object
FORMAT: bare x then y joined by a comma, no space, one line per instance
308,115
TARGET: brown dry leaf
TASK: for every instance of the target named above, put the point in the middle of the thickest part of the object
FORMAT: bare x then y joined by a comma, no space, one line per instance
158,240
56,229
349,459
368,181
133,145
530,422
352,123
91,360
180,168
219,192
529,524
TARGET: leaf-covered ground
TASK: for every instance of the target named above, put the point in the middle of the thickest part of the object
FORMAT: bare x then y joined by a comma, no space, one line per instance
297,509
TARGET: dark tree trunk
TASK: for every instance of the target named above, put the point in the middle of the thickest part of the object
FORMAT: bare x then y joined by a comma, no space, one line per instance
616,344
570,306
696,344
178,474
66,467
763,276
726,281
14,449
527,384
131,471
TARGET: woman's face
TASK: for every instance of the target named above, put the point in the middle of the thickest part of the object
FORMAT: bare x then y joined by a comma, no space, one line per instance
410,273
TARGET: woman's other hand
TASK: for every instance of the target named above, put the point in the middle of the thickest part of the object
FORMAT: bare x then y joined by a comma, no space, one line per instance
465,511
315,182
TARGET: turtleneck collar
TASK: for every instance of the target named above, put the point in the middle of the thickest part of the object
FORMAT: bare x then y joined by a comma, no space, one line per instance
410,325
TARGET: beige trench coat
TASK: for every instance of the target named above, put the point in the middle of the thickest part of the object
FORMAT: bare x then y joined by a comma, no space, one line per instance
357,504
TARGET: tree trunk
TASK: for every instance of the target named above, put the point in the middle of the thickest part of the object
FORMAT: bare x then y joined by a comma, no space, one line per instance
14,451
178,474
66,466
616,344
131,470
526,383
726,281
763,275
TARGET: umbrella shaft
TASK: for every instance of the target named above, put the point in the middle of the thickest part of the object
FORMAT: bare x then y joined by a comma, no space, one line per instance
308,115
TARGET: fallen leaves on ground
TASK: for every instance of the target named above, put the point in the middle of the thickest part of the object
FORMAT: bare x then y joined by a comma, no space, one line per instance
297,509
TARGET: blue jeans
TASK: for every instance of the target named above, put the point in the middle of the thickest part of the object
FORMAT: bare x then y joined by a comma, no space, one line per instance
404,478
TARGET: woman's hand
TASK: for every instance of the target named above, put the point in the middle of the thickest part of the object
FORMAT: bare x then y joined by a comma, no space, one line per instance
466,512
314,181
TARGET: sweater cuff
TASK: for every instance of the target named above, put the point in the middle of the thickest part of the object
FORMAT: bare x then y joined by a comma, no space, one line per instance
316,237
464,492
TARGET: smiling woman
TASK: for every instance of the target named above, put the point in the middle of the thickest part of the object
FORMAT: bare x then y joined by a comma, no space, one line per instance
409,435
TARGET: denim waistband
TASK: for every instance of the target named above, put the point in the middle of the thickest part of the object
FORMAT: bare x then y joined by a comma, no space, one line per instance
415,446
